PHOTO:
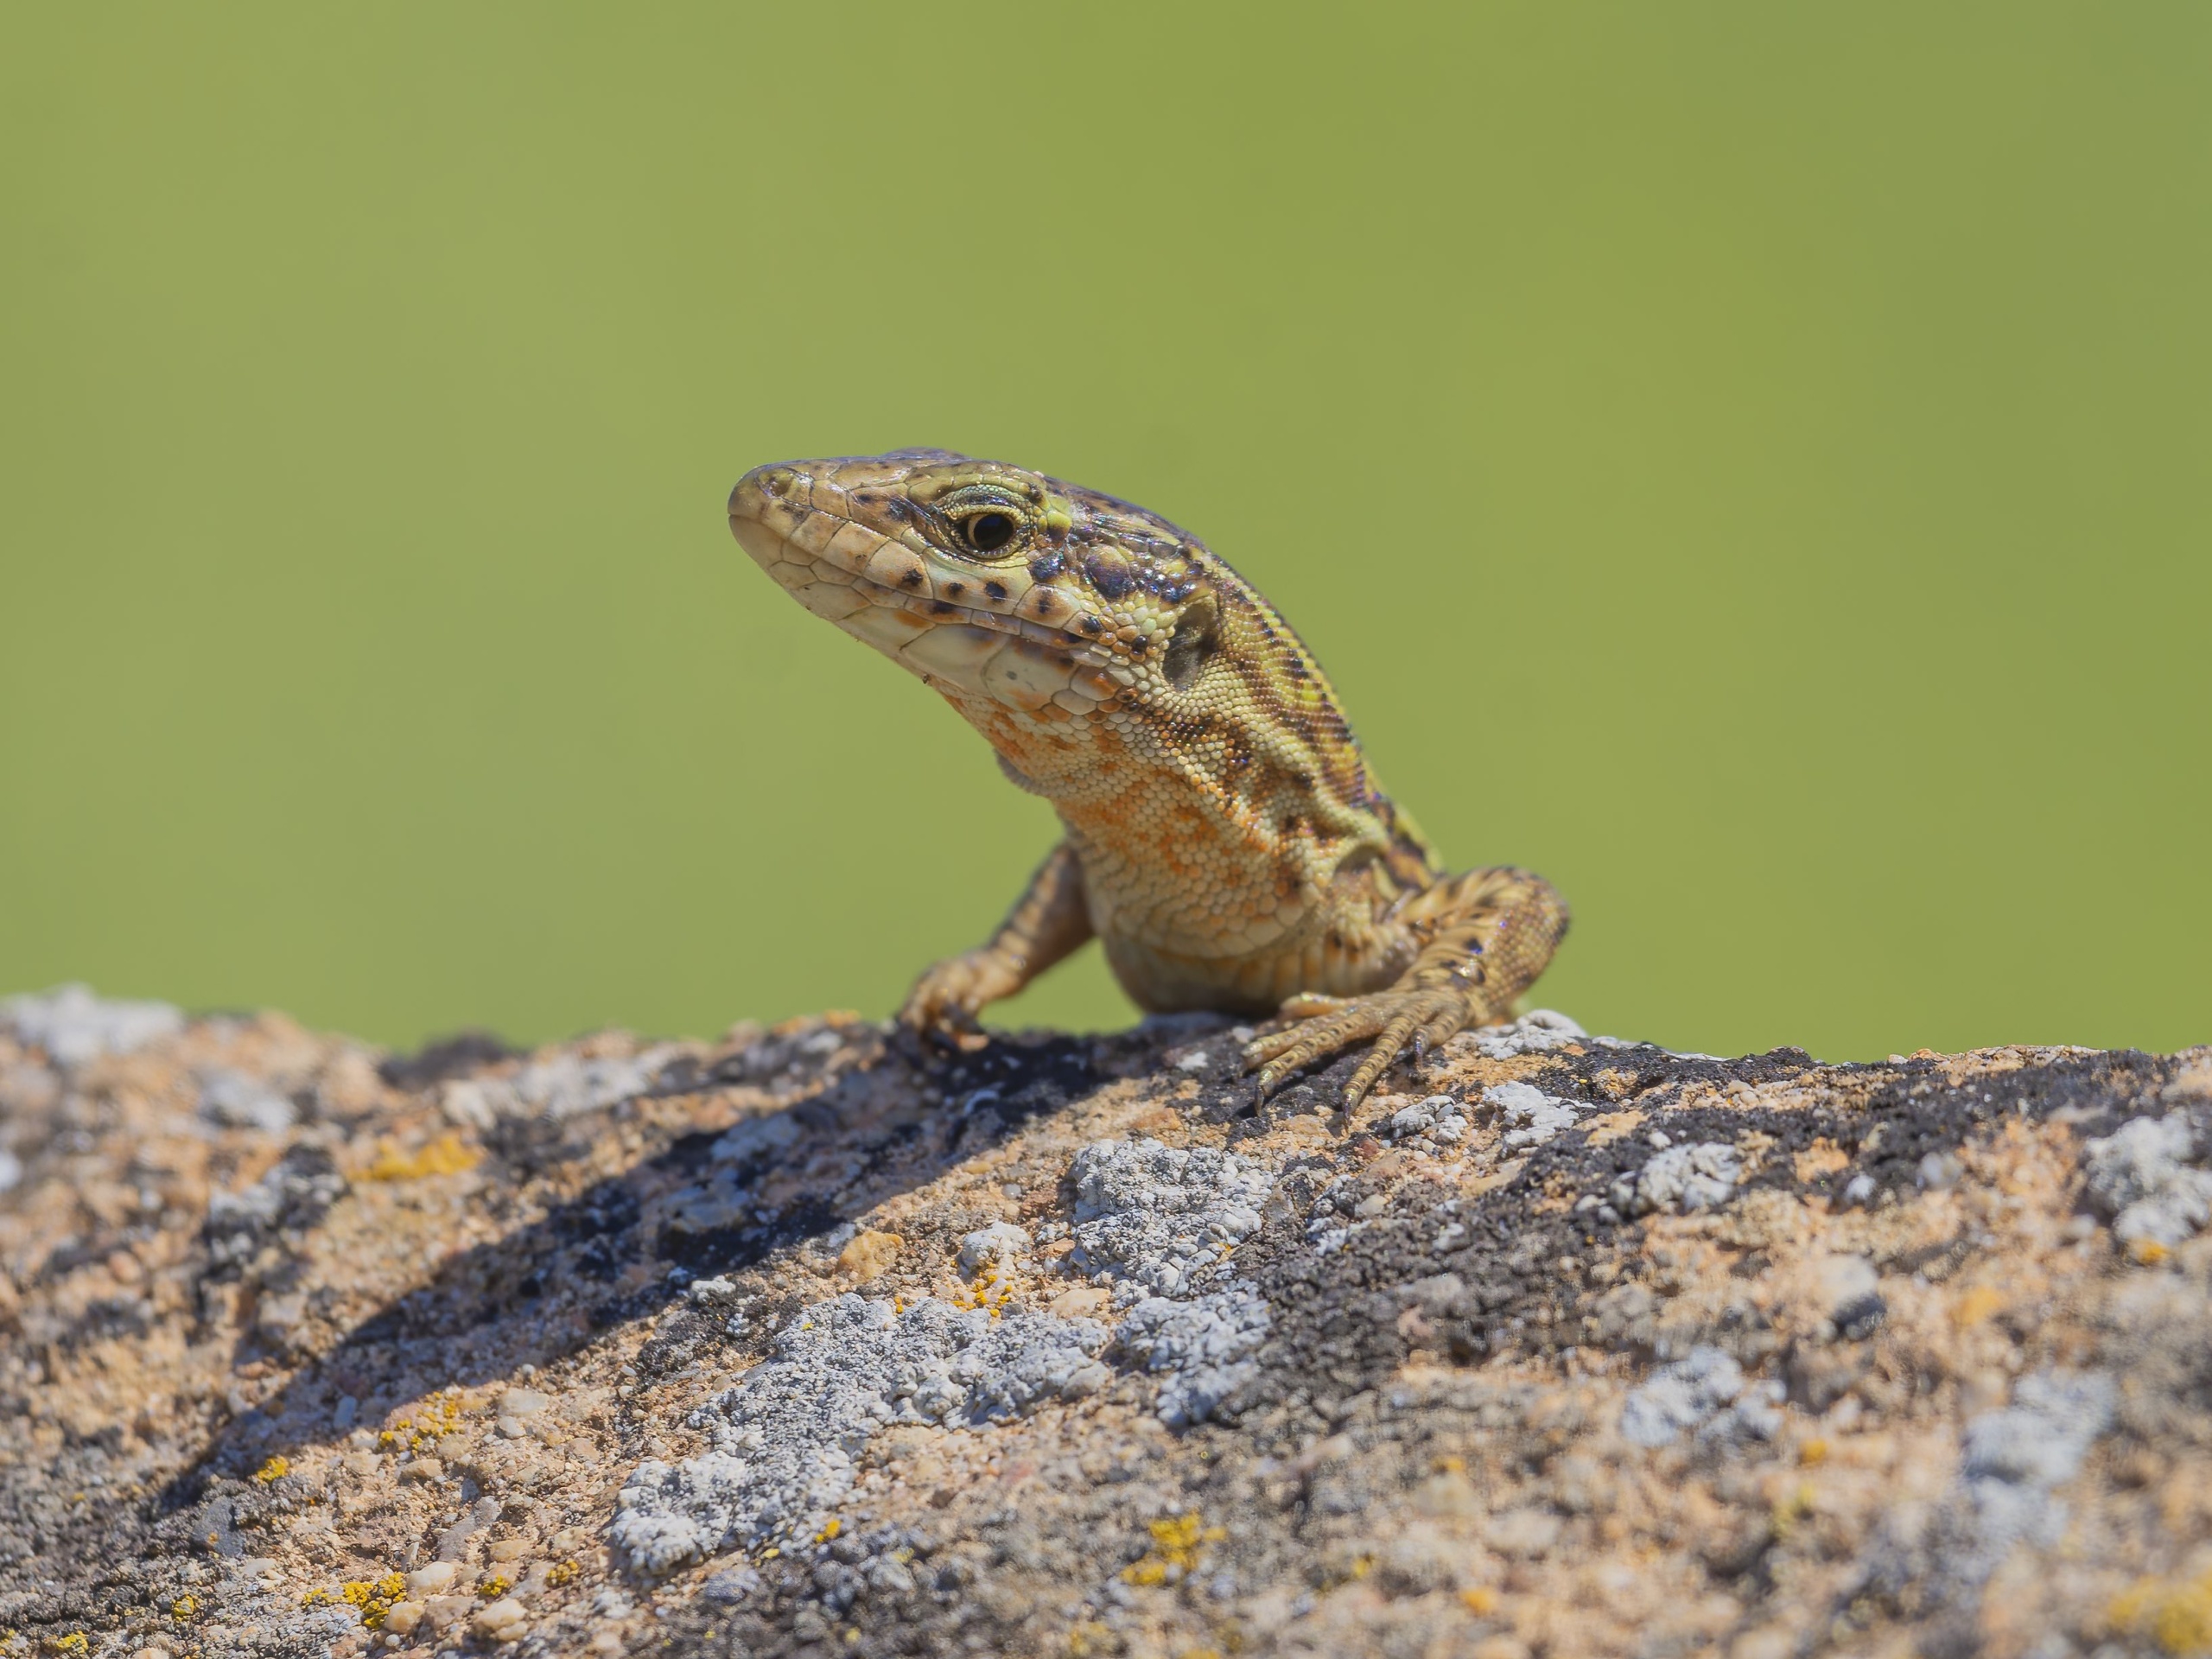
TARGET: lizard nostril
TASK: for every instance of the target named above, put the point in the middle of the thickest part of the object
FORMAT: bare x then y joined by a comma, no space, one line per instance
763,487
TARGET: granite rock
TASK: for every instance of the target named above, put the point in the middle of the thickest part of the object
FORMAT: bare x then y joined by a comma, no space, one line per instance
811,1341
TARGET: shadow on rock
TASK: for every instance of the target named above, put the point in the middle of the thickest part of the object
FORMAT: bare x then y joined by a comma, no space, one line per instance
895,1114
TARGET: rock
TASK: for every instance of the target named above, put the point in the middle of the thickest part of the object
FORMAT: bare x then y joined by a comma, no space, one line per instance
784,1438
1680,1178
1001,1245
404,1617
1152,1218
868,1256
2140,1175
448,1612
1532,1116
503,1620
1417,1119
73,1026
700,1349
1204,1346
231,1098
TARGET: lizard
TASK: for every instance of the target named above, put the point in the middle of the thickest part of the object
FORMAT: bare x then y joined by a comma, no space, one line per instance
1225,839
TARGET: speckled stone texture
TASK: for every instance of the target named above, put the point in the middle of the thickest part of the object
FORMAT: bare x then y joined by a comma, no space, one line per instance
811,1341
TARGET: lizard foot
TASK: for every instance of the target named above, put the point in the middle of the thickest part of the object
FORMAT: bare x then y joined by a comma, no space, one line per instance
945,1000
1413,1018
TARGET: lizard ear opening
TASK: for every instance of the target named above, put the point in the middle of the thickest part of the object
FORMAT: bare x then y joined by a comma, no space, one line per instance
1197,633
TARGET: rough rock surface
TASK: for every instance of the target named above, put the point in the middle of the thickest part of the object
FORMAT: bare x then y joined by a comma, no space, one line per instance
808,1341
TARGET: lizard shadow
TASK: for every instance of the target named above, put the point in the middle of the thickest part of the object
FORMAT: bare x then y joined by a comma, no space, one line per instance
895,1116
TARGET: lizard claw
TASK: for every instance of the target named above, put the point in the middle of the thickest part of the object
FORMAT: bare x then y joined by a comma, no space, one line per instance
946,1001
1404,1018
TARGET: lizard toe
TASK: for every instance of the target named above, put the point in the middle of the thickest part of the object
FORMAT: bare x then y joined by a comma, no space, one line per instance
1415,1018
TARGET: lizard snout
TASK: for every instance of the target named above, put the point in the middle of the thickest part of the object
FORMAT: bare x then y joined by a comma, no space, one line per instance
765,489
764,507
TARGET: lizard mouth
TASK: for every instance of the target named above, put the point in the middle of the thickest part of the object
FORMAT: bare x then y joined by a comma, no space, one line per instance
906,604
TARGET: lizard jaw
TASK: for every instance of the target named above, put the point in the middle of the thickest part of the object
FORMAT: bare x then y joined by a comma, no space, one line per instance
896,597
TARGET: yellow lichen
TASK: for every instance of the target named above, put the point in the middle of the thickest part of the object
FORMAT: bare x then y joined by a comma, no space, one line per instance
275,1469
493,1587
184,1607
1481,1600
1174,1548
374,1596
2146,1252
831,1528
563,1572
437,1417
75,1642
2175,1613
990,1289
1812,1453
444,1156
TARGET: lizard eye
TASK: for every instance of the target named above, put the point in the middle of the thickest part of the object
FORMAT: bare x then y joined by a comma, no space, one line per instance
988,532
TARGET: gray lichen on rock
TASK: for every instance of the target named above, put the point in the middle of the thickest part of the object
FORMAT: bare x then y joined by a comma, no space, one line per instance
1679,1180
1203,1346
2140,1176
73,1025
1705,1393
1159,1220
784,1438
1532,1117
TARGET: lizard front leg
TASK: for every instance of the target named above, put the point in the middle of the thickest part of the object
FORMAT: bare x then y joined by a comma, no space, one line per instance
1047,922
1485,937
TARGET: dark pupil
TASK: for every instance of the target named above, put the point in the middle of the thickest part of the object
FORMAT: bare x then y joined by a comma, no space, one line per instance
989,531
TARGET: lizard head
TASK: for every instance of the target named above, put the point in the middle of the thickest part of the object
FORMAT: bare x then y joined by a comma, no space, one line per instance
991,583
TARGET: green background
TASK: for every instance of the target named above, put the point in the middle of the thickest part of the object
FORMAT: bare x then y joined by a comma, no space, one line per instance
1749,462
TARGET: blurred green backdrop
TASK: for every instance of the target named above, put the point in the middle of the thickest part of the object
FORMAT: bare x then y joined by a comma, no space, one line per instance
1749,462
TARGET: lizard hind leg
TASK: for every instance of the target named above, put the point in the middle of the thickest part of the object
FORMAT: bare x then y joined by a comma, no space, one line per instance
1485,937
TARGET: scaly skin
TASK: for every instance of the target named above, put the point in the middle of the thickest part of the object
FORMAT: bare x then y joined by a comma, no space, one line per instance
1226,842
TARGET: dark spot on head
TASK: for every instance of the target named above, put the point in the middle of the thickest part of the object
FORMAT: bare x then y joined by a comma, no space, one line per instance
1091,624
955,589
1045,566
912,579
1110,573
995,589
940,609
